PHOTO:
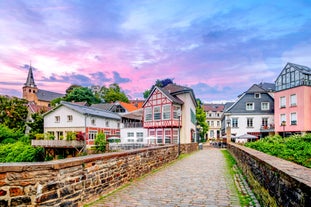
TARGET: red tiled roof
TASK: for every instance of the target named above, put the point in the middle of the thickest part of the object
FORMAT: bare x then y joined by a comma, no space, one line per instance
213,107
128,106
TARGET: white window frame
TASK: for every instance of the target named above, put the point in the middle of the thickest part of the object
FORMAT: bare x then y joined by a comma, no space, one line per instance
265,108
293,100
92,134
250,122
166,112
257,95
293,120
148,114
282,102
235,124
157,113
282,118
250,106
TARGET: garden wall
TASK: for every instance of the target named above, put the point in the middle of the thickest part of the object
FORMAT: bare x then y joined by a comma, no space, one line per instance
277,182
74,181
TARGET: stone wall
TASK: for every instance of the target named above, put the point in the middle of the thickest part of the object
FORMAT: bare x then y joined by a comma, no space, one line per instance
277,182
74,181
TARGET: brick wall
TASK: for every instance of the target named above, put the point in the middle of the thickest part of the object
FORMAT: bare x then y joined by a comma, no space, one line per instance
74,181
276,181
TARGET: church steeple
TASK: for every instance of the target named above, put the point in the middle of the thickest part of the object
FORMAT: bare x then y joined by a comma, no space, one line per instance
30,80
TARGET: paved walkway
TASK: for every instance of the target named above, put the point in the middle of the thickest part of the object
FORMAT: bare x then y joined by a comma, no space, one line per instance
198,180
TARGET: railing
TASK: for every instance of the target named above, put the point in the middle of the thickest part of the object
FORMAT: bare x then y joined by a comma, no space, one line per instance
133,125
267,128
57,143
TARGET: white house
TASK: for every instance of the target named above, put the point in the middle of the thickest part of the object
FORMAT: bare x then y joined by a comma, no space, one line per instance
252,113
70,117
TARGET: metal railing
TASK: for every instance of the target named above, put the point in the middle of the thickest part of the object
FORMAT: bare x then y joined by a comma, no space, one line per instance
57,143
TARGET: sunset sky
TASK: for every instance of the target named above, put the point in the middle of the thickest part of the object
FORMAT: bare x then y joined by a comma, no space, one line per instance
219,48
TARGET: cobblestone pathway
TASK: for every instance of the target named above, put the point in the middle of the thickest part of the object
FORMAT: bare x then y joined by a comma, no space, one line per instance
198,180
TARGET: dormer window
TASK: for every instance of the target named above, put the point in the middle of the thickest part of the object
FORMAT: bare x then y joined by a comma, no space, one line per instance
250,106
257,95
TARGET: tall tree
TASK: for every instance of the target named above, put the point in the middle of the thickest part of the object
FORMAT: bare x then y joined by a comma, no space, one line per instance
36,126
113,94
13,112
79,94
201,120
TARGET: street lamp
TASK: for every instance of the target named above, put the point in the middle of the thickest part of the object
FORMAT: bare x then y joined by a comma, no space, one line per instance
283,124
179,115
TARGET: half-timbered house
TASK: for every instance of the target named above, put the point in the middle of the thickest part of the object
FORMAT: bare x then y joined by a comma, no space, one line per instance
169,114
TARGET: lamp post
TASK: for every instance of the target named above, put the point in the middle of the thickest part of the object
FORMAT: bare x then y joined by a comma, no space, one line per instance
179,115
228,130
283,124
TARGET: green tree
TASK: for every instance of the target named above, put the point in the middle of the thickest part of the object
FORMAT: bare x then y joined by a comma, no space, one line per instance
36,126
100,142
8,135
159,83
80,94
113,94
201,120
70,88
13,112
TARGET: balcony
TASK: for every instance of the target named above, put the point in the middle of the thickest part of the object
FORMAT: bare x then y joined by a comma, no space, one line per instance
57,143
267,128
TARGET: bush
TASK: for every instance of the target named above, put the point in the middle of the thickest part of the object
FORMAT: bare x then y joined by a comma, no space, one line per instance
295,148
20,152
100,142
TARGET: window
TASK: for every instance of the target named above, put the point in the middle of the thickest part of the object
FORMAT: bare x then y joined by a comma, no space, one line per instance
235,123
69,118
140,136
218,123
264,122
130,134
293,100
159,137
249,106
177,112
257,95
156,113
166,112
175,136
93,122
282,118
265,106
282,102
148,114
59,135
57,119
212,123
107,124
249,122
293,118
92,134
212,135
167,134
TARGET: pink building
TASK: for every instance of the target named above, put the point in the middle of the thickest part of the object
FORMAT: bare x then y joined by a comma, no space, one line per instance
292,100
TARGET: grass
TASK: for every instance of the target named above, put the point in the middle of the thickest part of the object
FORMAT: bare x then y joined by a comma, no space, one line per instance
233,170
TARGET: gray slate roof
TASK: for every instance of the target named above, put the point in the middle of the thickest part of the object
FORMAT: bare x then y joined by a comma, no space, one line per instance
239,106
44,95
87,110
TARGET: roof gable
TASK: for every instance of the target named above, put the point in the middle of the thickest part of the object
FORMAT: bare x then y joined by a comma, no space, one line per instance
87,110
44,95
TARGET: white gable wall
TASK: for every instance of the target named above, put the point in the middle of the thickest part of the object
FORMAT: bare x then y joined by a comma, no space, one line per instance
242,123
187,125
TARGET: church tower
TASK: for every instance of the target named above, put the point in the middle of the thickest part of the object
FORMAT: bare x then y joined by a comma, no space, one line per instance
30,88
